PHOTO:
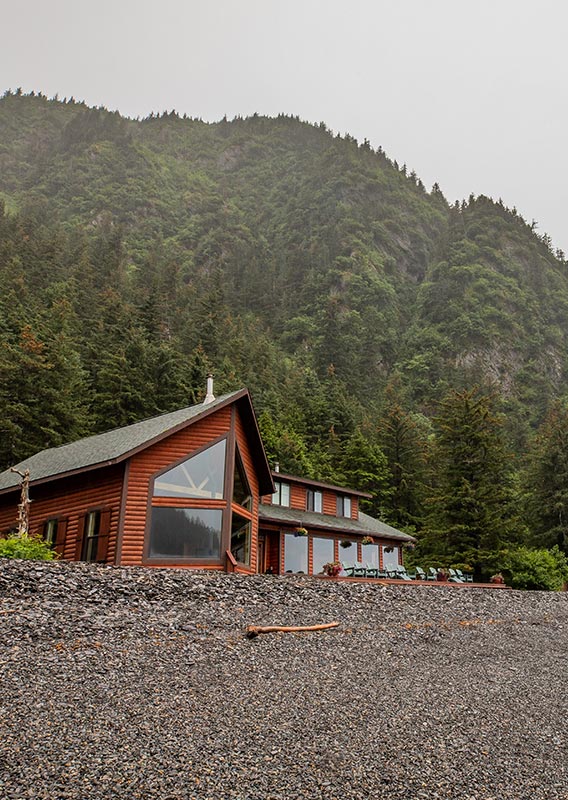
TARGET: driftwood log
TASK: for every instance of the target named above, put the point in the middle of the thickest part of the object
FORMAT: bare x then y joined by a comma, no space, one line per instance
254,630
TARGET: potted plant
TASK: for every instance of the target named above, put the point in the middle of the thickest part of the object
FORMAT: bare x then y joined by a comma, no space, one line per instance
367,540
345,543
332,568
300,532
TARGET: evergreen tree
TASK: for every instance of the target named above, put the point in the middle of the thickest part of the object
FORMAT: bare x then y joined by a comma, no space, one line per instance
365,468
472,512
548,482
404,439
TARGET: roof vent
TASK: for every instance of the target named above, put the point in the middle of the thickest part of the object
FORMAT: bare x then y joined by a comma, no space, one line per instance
209,397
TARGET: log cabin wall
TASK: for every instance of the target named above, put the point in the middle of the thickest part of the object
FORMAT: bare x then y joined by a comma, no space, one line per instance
68,499
297,496
273,549
329,503
354,507
145,464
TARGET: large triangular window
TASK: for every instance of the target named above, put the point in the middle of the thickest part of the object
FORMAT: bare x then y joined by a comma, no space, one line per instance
241,489
201,475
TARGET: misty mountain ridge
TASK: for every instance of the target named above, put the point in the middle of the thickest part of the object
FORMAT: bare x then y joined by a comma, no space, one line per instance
300,263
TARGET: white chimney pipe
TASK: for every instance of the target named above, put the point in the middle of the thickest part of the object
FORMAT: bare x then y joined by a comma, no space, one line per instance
209,397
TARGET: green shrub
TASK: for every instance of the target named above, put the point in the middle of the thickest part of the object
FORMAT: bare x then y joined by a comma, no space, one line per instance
31,547
526,568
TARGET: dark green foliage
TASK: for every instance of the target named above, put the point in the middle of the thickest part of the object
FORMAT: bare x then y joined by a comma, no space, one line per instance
404,438
472,505
547,482
526,568
25,546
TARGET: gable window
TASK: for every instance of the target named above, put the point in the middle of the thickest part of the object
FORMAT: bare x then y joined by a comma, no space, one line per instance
281,496
185,533
241,490
313,501
200,476
192,530
343,506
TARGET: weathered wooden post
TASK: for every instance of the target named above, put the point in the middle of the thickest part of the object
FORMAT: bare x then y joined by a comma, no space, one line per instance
24,506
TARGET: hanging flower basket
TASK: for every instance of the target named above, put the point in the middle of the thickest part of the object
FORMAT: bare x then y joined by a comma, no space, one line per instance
345,543
332,568
300,532
367,540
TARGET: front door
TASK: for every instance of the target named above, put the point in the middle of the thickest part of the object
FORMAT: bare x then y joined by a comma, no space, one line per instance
261,554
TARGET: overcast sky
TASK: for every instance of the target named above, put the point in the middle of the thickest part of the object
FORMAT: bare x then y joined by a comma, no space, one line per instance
472,95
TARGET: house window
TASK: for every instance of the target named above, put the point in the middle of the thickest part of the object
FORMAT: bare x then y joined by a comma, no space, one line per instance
281,496
314,501
241,538
91,534
370,555
322,553
348,551
390,556
50,531
241,489
343,506
185,533
201,476
295,553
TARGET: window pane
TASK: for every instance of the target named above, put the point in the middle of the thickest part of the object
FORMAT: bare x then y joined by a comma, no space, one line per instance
202,475
348,555
295,553
343,506
91,536
313,501
390,559
370,554
241,491
50,531
322,553
240,539
281,496
186,533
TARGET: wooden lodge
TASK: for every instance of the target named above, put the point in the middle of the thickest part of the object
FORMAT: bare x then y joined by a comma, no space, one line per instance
193,488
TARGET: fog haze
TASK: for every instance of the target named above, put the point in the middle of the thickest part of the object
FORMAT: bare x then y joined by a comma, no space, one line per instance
471,95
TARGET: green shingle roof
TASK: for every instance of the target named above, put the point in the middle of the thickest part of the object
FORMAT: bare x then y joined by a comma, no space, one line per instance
364,526
109,447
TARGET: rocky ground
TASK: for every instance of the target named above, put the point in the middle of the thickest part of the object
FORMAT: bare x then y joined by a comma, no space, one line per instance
140,683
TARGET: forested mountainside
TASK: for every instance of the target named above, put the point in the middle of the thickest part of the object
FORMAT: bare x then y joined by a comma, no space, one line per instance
137,255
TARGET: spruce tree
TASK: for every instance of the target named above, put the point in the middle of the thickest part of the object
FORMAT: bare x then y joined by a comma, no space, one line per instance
548,482
472,505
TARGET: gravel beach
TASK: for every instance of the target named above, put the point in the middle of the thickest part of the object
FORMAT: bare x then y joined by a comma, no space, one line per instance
140,683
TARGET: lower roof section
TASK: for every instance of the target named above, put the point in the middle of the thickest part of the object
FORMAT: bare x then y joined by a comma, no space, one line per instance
364,526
